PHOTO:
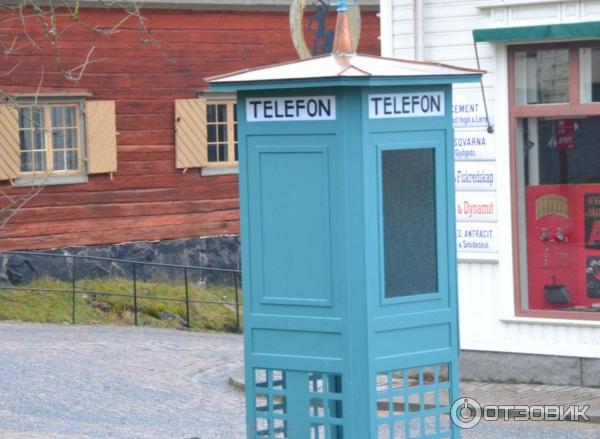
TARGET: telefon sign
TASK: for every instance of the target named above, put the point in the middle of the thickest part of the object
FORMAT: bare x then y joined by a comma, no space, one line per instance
406,105
305,108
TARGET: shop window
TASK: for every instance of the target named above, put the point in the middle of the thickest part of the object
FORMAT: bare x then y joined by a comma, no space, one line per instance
56,142
558,175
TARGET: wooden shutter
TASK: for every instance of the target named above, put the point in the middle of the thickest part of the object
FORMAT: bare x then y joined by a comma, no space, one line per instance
10,149
101,137
190,133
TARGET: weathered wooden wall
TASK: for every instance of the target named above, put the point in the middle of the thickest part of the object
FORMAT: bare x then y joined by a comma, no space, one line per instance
147,199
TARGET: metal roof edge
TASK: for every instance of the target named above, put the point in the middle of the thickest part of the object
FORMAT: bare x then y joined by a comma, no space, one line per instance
467,70
355,81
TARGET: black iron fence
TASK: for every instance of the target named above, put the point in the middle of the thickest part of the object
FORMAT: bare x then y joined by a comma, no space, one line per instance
190,286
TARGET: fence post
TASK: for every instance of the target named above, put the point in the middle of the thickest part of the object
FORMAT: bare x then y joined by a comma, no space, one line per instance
237,301
73,293
135,304
187,298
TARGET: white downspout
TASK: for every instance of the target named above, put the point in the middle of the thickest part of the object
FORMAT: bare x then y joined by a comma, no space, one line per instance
419,31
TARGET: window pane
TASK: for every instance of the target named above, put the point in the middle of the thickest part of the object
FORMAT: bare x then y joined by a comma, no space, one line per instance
70,120
71,138
409,222
223,152
560,213
222,133
26,162
236,152
235,112
25,118
542,76
589,72
38,117
26,140
72,163
58,139
39,161
212,153
212,133
58,117
211,115
39,139
59,160
222,113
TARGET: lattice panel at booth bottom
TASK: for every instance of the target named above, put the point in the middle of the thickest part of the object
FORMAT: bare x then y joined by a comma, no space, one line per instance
272,399
414,403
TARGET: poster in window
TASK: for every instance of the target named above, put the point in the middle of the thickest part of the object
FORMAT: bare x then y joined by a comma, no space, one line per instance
592,270
592,221
565,134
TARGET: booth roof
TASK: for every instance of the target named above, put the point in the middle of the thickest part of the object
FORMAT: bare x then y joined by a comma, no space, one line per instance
343,66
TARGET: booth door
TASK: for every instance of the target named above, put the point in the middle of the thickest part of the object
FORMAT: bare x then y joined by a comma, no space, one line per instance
412,281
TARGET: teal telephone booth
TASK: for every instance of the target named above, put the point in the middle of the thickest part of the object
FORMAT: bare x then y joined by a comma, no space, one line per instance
348,247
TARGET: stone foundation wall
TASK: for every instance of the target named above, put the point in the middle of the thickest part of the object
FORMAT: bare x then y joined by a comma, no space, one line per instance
212,252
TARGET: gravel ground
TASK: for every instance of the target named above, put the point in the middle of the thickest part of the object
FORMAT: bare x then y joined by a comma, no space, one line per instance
83,382
80,382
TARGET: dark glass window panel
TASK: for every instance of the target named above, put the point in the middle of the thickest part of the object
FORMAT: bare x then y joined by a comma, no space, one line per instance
26,140
235,112
236,151
223,152
212,133
212,153
59,160
223,133
211,114
235,133
409,222
27,162
58,117
222,113
72,163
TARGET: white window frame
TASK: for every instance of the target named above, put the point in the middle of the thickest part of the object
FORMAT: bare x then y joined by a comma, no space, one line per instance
51,178
230,166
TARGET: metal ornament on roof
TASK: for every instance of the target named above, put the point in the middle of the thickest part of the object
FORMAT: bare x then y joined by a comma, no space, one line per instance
323,37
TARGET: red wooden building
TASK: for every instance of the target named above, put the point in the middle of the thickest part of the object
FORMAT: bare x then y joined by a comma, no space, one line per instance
106,149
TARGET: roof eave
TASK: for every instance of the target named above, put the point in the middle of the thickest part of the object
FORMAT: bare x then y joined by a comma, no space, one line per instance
354,81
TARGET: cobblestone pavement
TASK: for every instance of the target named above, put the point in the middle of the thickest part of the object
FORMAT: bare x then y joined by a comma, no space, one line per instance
64,382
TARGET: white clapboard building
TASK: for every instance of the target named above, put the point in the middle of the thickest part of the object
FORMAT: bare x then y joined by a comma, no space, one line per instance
528,193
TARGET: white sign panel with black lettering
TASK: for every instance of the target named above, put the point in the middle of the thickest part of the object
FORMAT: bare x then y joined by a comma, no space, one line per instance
477,237
474,145
305,108
475,176
476,206
421,104
468,110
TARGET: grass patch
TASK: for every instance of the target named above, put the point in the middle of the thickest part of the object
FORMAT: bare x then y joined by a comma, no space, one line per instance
94,305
